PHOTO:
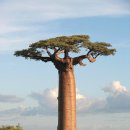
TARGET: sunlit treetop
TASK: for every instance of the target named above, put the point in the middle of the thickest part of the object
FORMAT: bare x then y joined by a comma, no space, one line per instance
50,49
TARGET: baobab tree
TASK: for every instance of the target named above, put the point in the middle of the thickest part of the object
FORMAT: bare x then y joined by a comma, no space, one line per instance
57,50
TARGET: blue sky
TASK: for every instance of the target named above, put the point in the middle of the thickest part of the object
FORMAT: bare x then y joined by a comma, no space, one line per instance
28,89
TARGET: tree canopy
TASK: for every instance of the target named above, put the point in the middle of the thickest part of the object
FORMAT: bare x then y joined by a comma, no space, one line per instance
50,49
11,128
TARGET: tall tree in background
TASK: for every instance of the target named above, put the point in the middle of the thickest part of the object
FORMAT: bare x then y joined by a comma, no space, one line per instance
57,50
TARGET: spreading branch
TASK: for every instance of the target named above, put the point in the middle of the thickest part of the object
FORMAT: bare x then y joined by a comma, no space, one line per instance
60,52
56,51
45,59
32,54
48,52
79,59
90,56
66,45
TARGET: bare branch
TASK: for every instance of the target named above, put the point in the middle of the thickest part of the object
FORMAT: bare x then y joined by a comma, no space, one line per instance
81,63
57,58
56,51
97,55
48,52
78,60
55,55
90,58
46,59
66,54
60,52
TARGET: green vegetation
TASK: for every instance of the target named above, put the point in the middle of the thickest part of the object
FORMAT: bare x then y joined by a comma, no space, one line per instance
65,44
18,127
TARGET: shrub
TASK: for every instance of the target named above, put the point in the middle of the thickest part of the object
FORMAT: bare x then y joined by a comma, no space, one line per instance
18,127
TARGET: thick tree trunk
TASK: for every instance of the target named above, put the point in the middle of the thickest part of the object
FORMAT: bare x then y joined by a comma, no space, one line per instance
67,100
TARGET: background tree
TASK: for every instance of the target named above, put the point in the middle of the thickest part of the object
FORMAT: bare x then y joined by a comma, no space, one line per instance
18,127
58,51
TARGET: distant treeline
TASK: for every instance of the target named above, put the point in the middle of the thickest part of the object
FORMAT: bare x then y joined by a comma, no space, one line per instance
18,127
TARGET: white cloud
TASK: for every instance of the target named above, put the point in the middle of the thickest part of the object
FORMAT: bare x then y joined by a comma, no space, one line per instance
10,99
18,16
78,95
116,87
48,10
8,44
31,11
117,100
6,27
47,102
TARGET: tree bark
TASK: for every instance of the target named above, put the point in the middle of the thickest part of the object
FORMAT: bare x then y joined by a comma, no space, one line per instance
67,100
